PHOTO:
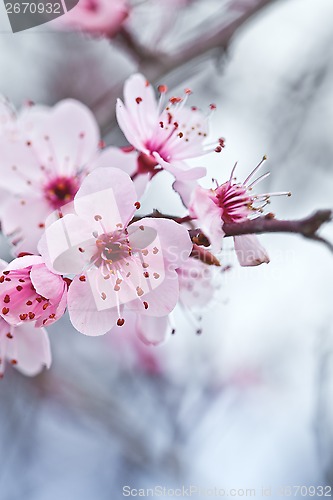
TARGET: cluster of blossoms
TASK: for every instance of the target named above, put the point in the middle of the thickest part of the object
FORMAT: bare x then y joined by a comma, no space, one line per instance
70,211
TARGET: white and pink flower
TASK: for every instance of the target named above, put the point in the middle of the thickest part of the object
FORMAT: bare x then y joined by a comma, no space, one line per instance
29,291
232,202
118,266
43,172
97,17
164,136
25,347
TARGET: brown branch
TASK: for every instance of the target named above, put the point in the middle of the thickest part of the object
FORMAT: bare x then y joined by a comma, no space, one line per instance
307,227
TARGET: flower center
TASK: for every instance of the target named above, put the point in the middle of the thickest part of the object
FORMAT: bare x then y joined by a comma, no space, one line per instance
147,164
110,249
234,201
61,190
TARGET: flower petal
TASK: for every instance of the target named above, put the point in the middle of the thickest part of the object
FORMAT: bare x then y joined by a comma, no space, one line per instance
152,331
83,312
203,208
30,347
67,138
173,239
249,251
68,245
162,300
106,194
47,284
23,221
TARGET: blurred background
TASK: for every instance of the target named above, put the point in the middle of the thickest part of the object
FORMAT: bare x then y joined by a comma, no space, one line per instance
248,403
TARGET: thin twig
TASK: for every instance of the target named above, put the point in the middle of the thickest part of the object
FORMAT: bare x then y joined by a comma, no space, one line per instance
307,227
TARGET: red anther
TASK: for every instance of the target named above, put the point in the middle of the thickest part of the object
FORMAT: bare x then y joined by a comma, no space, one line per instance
147,83
176,124
101,144
212,106
173,331
180,134
9,335
31,315
138,100
68,281
82,250
120,321
218,149
162,89
19,288
41,225
161,124
23,316
6,299
13,362
188,91
137,205
82,278
222,142
5,310
127,149
175,100
194,108
28,143
145,304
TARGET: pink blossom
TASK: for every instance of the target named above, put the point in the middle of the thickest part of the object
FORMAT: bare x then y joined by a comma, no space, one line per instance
117,265
165,137
98,17
44,173
24,346
30,292
232,202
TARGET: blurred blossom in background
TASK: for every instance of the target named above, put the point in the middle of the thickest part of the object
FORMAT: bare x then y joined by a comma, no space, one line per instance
241,395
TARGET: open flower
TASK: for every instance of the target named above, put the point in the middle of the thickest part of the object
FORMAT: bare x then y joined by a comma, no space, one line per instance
165,137
232,202
45,172
117,265
30,292
98,17
25,347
